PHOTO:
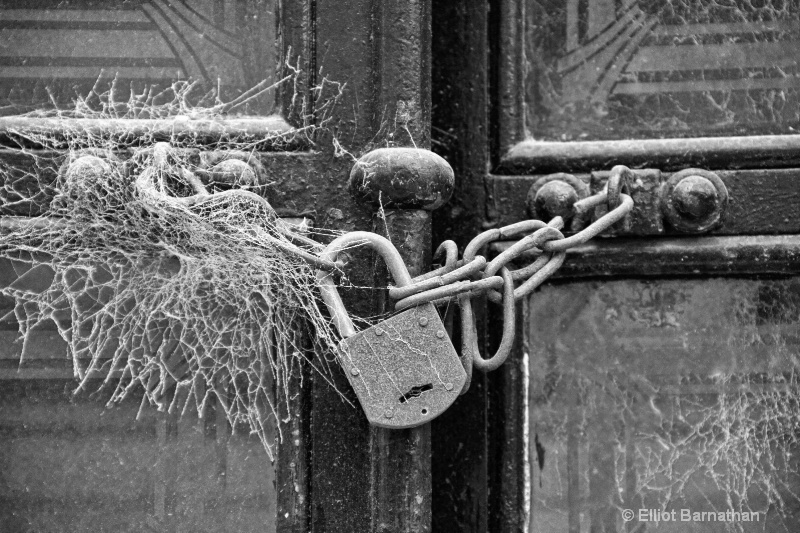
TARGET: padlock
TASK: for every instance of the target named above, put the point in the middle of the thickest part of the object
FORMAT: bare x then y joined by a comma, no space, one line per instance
404,370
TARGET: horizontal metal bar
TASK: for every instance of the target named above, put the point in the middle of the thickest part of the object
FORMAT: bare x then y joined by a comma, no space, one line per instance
30,175
268,130
693,256
14,223
760,201
665,154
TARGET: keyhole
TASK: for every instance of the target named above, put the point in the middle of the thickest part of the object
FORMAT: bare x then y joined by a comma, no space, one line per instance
415,392
424,411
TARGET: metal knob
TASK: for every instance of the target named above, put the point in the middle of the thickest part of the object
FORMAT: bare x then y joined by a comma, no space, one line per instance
555,195
694,200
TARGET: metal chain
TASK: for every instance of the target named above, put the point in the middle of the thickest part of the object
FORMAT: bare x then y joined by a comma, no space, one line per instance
464,280
461,281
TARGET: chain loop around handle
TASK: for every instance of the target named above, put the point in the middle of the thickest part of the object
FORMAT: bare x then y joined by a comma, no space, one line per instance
470,353
618,182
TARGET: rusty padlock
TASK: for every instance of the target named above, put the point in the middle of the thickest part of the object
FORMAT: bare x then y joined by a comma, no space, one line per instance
404,370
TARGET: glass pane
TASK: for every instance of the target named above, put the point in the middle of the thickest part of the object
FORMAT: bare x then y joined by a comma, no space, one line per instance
60,50
71,464
653,399
611,69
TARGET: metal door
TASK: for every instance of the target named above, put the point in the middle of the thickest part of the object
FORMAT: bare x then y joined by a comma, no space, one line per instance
359,79
653,386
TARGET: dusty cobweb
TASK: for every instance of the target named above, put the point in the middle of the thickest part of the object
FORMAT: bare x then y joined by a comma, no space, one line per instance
163,267
659,432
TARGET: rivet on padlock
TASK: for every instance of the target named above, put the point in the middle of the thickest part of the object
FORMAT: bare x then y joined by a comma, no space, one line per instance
404,375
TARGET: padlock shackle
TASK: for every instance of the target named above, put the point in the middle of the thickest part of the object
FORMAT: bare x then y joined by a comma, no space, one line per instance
330,295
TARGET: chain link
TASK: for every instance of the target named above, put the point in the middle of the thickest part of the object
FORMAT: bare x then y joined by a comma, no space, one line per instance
456,281
461,281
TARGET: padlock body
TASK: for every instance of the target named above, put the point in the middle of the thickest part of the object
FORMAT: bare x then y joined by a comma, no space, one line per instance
404,370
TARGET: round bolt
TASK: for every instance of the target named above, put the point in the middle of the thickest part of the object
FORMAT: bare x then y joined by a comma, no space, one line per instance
354,371
378,332
232,173
448,386
695,197
440,334
388,413
86,171
555,198
694,200
555,195
423,321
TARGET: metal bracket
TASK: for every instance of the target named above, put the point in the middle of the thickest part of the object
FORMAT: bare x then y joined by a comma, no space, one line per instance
690,202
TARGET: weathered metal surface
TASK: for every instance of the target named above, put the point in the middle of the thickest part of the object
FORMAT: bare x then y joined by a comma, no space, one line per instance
662,394
293,464
402,178
369,479
265,133
460,131
759,201
762,254
291,181
402,502
530,156
404,370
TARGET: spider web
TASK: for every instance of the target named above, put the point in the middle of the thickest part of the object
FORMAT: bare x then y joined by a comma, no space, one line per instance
163,270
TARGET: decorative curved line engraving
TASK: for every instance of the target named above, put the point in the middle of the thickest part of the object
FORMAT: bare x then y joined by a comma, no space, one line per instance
156,41
632,45
214,60
591,78
578,56
205,27
191,64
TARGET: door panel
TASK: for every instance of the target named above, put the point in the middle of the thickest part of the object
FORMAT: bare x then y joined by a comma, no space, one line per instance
662,395
363,82
68,461
658,369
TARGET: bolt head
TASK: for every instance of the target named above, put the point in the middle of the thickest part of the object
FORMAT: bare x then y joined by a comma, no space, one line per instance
555,198
354,371
378,332
695,197
440,334
423,321
448,386
388,413
233,172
